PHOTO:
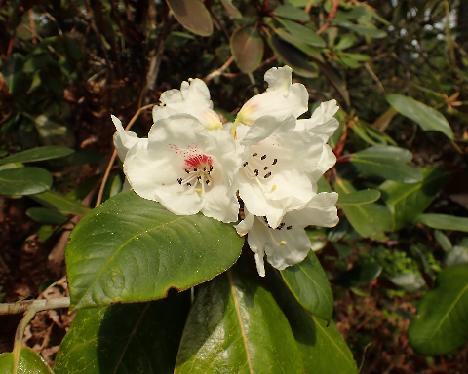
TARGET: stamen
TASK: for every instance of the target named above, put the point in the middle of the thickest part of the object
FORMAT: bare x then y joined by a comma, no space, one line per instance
187,171
263,157
254,154
275,161
289,228
256,172
179,180
245,164
266,167
207,181
188,184
267,174
194,169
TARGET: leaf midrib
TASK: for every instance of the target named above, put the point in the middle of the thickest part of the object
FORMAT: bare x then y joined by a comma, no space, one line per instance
239,319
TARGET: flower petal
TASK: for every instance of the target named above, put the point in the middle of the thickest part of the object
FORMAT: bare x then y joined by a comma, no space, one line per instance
281,100
221,203
125,140
193,98
320,211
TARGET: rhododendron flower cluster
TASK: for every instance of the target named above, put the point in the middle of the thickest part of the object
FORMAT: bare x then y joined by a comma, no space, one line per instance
267,158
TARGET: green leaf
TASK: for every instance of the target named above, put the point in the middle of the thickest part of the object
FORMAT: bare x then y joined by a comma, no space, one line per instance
362,197
296,42
236,326
309,284
130,249
193,15
46,215
321,347
444,222
62,203
440,325
407,201
247,48
24,181
37,154
369,221
386,162
231,9
429,119
292,56
131,338
338,83
303,33
290,12
29,363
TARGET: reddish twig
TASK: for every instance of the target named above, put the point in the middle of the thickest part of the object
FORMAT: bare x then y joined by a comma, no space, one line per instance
331,16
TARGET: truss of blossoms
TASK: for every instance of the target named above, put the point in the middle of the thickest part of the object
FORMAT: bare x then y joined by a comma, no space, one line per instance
268,159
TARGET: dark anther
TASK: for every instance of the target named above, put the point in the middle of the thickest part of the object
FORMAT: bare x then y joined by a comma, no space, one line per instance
189,184
266,167
187,171
263,157
275,161
207,181
267,174
179,180
289,228
204,169
194,169
254,154
199,177
211,168
256,172
245,164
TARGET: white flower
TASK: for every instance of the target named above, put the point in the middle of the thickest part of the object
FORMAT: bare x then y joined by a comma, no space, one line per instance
193,99
281,100
279,173
187,169
125,140
321,122
288,244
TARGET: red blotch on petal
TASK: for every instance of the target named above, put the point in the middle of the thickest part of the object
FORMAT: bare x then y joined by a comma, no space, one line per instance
197,160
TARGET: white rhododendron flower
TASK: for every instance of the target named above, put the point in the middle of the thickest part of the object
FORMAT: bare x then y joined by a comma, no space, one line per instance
193,99
288,244
276,171
268,157
281,100
186,169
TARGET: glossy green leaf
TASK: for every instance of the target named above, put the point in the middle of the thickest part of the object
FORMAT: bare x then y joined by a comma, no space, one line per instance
24,181
193,15
247,48
309,284
336,80
303,33
130,249
46,215
440,325
290,12
362,197
37,154
407,201
444,221
321,347
428,118
62,203
137,338
235,326
292,56
371,220
29,363
296,42
386,162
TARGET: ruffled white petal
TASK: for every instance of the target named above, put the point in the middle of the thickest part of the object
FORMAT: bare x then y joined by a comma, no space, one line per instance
125,140
281,100
320,211
193,99
322,122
